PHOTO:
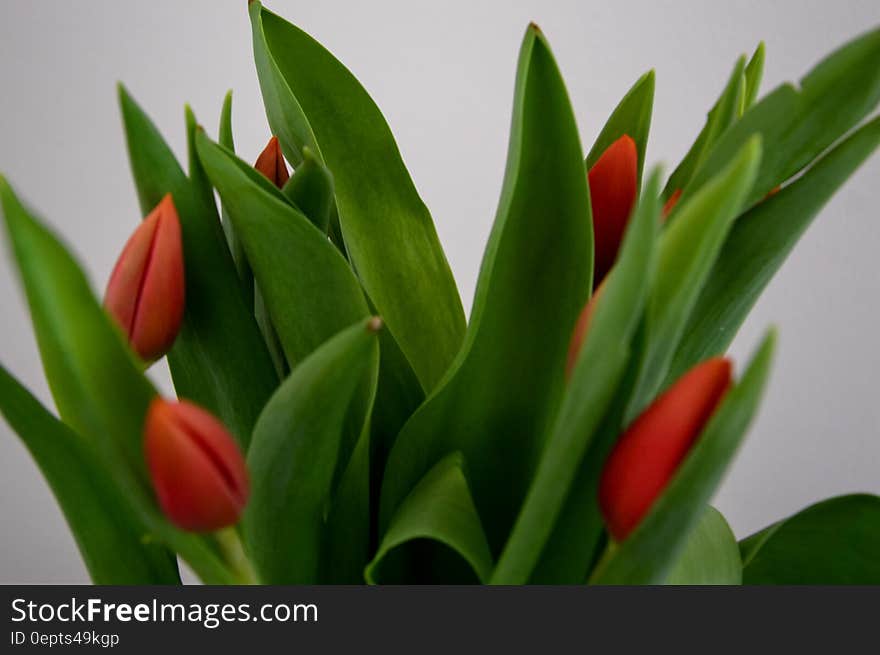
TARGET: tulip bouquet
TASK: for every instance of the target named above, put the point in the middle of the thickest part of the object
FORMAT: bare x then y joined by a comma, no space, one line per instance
339,421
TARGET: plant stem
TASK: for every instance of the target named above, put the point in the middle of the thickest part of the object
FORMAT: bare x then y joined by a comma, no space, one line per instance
610,549
233,552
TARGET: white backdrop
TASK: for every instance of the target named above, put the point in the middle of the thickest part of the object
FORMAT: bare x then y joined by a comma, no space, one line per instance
443,75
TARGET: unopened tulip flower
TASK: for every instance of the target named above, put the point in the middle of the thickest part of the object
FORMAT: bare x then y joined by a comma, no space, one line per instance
670,204
198,472
145,294
271,163
647,455
613,188
579,335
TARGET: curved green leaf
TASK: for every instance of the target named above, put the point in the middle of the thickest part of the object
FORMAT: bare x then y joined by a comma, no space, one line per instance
798,125
309,288
311,190
753,73
632,116
834,542
723,113
295,454
94,378
648,555
313,100
107,531
219,359
98,386
710,555
602,362
759,243
688,249
437,517
242,267
504,387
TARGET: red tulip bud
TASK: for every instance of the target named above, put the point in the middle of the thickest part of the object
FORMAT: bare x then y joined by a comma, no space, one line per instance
271,163
671,203
580,331
145,294
650,451
197,470
613,188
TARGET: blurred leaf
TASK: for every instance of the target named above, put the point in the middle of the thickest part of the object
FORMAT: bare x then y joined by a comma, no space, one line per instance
313,100
632,116
506,384
601,364
235,248
98,387
754,72
759,243
308,287
797,125
834,542
437,521
688,249
710,555
294,457
719,119
650,553
219,359
94,378
107,531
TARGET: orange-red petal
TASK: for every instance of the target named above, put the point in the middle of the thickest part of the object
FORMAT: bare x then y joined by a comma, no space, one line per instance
271,163
647,455
145,294
613,189
197,470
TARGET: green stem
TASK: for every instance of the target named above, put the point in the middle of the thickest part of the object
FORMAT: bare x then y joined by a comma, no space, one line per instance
610,549
233,552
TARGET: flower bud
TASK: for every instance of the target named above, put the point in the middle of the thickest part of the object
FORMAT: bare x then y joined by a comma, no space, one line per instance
271,163
145,294
670,204
648,454
198,472
613,188
579,335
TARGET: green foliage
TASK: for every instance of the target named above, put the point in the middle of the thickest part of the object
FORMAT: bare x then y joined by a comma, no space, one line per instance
431,450
833,542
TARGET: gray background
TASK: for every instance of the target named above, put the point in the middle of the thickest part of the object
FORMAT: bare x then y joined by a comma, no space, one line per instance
443,74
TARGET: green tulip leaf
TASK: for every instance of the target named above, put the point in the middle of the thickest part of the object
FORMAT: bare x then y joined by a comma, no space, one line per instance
107,531
503,389
219,359
687,251
757,246
313,100
438,525
649,554
239,258
710,555
311,190
723,113
797,125
834,542
295,454
94,377
601,364
632,116
95,380
753,73
309,288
